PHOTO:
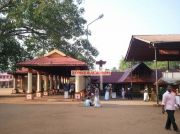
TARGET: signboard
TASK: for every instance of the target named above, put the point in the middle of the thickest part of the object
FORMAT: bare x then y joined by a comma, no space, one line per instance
89,73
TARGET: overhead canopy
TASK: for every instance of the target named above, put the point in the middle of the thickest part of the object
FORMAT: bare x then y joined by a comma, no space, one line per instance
55,62
165,81
142,48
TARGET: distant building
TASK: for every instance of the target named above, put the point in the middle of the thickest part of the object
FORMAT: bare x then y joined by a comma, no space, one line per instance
138,77
6,80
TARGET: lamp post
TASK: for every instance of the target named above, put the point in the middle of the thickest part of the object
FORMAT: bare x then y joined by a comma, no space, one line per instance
101,63
100,17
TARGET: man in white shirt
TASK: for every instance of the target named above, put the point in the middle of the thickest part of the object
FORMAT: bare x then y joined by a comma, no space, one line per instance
88,102
168,105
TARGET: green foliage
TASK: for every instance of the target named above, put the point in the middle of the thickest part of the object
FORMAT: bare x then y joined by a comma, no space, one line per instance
38,26
114,69
160,64
123,65
164,64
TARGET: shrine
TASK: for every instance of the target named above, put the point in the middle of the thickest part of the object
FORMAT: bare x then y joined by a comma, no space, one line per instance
47,74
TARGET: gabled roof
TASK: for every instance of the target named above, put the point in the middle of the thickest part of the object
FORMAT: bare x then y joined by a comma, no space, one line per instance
138,67
142,48
125,77
55,51
53,58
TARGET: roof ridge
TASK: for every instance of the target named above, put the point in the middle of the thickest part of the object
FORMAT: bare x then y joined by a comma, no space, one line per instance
55,51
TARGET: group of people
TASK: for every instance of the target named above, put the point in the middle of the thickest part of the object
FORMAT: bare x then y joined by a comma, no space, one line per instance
92,96
126,93
169,103
69,90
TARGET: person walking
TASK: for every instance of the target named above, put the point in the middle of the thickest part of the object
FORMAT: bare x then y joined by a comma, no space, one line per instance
168,105
72,90
123,93
129,93
107,92
146,96
66,90
96,98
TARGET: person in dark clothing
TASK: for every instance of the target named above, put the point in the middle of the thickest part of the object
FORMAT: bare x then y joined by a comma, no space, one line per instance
129,93
66,90
72,91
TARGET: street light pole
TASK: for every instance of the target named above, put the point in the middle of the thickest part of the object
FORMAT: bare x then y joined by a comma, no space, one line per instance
100,17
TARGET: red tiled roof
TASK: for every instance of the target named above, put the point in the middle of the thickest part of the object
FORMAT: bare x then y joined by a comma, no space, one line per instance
54,58
23,71
46,61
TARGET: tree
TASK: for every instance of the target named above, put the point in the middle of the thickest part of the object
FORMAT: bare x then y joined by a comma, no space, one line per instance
123,65
160,64
114,69
30,28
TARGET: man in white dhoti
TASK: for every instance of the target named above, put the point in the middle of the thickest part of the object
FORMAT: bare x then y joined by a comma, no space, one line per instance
96,98
107,90
88,102
123,93
146,96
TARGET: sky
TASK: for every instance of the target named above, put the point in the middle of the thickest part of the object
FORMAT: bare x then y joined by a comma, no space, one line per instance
111,35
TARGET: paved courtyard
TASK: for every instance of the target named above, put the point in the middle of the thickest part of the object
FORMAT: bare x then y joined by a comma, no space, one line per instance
56,116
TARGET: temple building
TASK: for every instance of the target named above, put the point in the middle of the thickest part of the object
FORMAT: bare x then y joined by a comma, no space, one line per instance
47,75
139,77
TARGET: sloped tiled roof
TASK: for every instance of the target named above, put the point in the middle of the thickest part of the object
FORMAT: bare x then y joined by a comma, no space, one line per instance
128,72
54,58
125,77
158,38
113,78
23,71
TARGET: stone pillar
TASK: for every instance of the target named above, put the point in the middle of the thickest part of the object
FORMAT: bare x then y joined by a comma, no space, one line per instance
38,92
23,84
55,82
29,94
14,84
45,85
51,82
58,82
79,86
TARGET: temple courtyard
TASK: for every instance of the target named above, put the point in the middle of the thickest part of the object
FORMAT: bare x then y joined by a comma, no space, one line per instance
55,115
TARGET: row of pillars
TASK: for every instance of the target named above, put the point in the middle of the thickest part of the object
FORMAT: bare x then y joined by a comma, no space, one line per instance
49,84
